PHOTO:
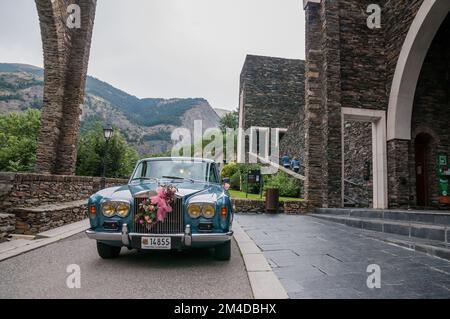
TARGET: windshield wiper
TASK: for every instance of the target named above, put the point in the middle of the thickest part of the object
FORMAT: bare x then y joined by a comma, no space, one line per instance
179,178
144,178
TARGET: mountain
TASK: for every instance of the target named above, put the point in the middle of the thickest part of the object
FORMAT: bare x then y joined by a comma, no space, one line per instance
222,112
146,124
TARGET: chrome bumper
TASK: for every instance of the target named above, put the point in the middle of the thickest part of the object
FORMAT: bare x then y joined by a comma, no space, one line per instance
187,238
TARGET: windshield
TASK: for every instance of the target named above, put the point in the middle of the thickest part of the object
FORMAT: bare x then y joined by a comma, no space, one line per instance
172,169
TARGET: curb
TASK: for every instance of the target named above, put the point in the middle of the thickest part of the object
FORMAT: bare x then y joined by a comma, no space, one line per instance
265,284
21,246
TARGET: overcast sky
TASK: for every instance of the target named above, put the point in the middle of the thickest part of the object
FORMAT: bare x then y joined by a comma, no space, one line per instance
169,48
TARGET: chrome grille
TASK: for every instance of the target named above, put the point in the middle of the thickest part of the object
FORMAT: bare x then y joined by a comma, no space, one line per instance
173,224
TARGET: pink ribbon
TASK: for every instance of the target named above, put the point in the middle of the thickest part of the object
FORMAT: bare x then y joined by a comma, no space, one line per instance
163,207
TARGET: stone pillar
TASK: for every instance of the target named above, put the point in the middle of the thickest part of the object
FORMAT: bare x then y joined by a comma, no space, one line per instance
332,125
313,107
323,119
398,173
66,54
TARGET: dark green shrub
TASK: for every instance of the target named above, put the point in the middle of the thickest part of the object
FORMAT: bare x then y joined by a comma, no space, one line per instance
235,181
229,170
287,186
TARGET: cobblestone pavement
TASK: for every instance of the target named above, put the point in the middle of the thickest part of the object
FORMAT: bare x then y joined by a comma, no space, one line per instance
320,259
42,273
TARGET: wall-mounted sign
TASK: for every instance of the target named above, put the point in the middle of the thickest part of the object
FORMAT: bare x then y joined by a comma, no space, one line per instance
443,159
254,177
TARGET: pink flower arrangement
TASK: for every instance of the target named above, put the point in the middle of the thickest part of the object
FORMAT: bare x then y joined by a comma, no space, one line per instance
156,208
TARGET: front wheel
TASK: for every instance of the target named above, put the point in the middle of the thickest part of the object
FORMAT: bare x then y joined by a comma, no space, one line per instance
107,252
223,251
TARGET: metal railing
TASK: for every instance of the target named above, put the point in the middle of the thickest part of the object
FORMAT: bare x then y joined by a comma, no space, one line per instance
360,194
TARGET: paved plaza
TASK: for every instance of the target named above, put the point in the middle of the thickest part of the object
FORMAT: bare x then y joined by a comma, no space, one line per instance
321,259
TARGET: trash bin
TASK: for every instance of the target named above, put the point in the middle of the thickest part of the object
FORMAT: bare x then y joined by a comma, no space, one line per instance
272,200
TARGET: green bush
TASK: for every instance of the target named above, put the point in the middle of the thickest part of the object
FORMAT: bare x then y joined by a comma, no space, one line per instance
18,140
235,181
120,158
229,170
287,186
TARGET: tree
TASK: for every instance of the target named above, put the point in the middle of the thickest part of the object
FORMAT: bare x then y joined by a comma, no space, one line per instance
230,120
92,149
18,140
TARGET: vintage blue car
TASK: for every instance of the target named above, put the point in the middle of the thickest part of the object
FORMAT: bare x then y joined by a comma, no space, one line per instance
201,213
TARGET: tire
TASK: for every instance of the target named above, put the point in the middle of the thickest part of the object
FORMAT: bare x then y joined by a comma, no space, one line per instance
107,252
223,251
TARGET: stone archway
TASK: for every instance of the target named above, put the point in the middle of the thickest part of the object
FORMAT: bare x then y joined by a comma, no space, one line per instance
66,47
409,110
426,24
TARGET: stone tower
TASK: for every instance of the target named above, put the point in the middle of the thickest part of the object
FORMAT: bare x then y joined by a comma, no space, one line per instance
66,30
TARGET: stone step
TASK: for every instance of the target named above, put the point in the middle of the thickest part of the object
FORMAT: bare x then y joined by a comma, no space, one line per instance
430,247
426,217
34,220
440,233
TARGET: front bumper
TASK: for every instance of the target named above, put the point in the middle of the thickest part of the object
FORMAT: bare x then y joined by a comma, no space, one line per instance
187,239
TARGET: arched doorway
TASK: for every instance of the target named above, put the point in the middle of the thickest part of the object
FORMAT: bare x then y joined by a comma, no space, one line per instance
425,26
424,151
419,104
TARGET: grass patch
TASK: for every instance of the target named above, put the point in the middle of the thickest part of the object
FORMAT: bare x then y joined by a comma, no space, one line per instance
241,195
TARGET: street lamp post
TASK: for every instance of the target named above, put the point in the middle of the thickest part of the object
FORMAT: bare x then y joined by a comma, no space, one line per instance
108,132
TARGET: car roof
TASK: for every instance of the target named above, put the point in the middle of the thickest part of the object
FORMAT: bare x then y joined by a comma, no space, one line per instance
196,159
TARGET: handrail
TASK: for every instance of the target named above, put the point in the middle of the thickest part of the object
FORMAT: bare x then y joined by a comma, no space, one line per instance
357,201
278,166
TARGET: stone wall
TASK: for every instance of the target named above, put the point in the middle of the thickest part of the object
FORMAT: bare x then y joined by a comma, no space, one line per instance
242,206
397,18
7,225
32,221
31,190
362,56
272,94
358,151
293,142
273,91
249,206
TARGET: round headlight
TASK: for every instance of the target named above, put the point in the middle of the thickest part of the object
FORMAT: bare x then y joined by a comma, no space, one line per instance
208,211
123,209
194,211
108,209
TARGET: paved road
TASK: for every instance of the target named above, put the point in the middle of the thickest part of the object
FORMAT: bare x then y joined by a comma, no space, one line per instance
320,259
195,274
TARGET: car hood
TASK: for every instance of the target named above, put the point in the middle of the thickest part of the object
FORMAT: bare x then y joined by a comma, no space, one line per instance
185,189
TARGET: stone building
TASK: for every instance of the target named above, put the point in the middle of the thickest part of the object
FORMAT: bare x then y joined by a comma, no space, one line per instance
376,114
396,78
272,95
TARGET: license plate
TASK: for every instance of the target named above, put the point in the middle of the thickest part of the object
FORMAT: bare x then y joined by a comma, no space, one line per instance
156,243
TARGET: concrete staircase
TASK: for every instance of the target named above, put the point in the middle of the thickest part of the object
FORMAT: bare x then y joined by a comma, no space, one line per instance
426,231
